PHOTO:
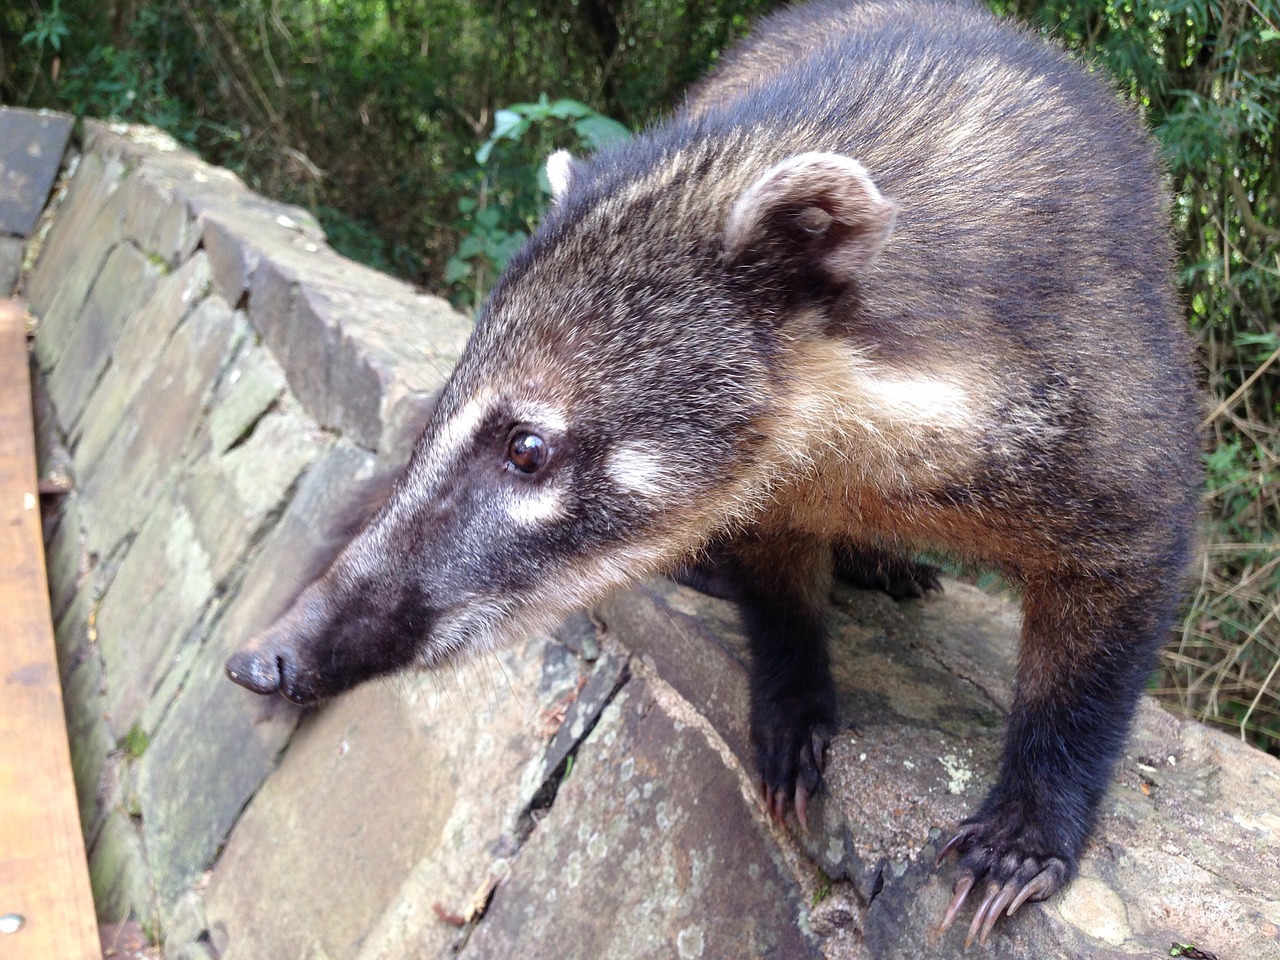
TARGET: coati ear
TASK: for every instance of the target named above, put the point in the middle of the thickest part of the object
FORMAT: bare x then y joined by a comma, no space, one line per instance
819,205
560,170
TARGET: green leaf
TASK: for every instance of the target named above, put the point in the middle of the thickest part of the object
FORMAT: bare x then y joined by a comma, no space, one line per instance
598,130
505,123
472,245
456,270
1270,340
502,250
566,109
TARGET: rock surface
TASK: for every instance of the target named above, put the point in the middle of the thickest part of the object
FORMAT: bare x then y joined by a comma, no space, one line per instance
215,382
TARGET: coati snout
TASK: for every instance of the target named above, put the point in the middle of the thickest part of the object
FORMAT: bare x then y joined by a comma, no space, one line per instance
895,277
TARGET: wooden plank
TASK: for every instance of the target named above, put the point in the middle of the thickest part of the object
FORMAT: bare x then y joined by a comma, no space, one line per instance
43,875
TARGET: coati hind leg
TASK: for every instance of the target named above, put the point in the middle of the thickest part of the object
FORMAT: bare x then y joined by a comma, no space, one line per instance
714,572
781,584
1088,645
871,569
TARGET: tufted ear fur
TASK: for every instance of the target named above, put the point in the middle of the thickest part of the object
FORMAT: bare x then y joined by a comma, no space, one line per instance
820,206
560,171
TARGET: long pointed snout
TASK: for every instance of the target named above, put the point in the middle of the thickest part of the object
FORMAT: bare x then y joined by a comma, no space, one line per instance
261,671
268,666
276,660
334,636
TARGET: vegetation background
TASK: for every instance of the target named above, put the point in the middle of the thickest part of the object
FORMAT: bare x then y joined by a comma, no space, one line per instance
416,130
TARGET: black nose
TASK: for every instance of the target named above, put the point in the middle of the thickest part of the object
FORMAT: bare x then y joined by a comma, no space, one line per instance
261,671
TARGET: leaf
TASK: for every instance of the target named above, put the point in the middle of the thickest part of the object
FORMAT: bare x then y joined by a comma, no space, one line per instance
505,123
503,249
598,130
456,270
566,109
472,245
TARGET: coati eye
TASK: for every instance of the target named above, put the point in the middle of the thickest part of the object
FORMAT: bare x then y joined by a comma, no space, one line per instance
527,452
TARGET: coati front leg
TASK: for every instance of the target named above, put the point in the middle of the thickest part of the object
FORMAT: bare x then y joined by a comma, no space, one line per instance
1088,645
781,584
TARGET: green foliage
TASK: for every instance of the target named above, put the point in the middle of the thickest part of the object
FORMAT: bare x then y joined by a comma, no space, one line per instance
510,186
47,30
120,84
359,241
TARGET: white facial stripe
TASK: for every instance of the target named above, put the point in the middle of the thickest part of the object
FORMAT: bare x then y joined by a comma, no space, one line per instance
530,507
455,436
639,469
539,415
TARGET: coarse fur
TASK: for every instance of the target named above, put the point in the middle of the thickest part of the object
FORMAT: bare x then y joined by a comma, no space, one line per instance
897,276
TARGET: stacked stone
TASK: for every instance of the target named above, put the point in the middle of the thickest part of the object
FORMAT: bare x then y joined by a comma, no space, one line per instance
219,377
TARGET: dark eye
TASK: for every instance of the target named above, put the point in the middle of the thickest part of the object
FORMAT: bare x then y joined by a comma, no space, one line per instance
526,452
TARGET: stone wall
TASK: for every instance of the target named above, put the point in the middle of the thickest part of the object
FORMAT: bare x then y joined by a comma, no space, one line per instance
214,381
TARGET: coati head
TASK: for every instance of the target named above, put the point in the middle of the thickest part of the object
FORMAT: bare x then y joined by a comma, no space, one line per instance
618,403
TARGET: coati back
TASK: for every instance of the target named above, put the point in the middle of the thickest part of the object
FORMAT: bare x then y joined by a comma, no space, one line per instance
896,277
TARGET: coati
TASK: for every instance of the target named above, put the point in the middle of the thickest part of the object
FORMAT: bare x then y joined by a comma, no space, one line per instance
896,276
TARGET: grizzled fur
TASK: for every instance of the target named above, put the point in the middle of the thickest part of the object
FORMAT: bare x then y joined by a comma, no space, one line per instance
897,276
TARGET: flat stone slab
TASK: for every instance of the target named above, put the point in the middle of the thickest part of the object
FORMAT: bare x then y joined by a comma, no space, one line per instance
651,850
390,805
31,148
1187,848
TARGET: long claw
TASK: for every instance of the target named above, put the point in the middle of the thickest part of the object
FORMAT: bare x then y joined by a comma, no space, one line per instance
779,808
950,845
980,915
819,750
802,806
1038,888
1007,893
961,890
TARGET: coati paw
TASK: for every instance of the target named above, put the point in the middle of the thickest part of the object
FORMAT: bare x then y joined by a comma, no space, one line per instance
791,764
1014,874
901,579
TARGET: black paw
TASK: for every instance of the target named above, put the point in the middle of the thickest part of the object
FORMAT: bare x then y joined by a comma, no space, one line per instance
1007,856
901,579
713,572
791,760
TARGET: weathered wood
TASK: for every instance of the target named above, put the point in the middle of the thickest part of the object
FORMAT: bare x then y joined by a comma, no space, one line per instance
43,874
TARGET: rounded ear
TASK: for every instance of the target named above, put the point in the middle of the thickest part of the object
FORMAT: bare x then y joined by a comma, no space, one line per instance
560,170
822,206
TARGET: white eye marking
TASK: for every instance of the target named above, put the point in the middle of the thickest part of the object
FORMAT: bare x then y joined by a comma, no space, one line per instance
456,433
639,469
539,417
530,507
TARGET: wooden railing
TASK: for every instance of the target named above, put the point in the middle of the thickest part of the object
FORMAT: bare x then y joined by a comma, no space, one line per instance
46,908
